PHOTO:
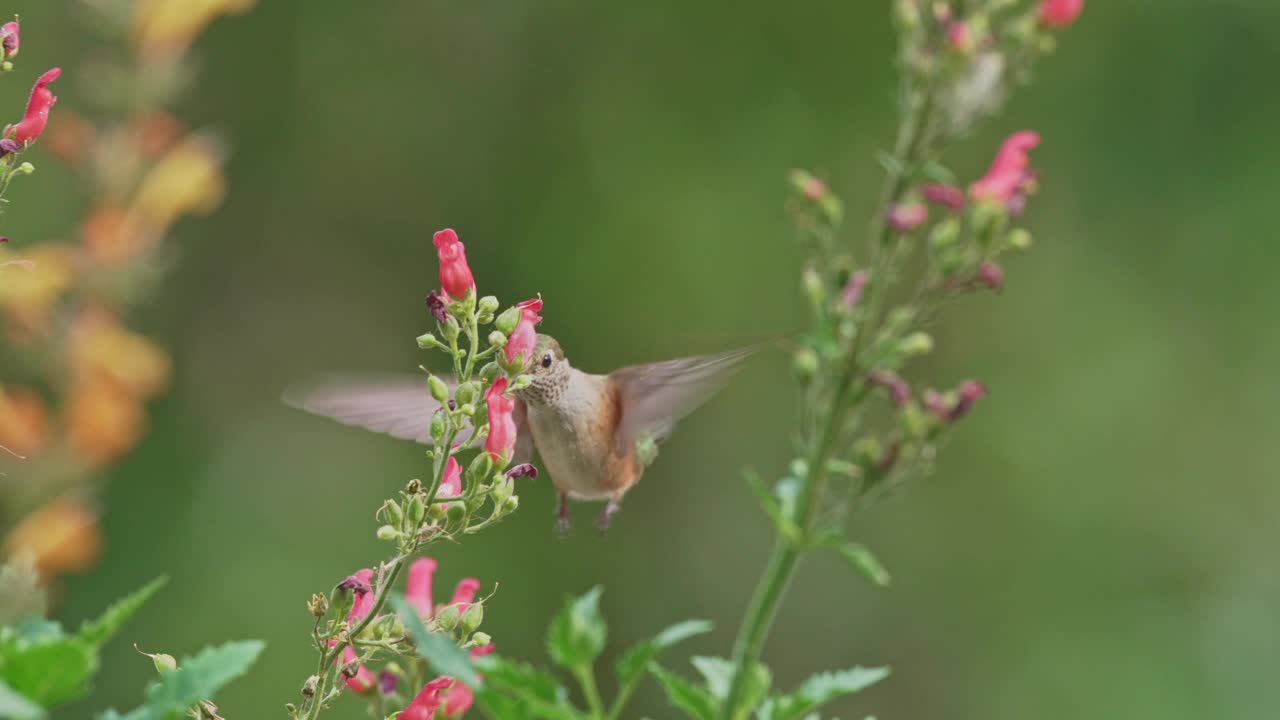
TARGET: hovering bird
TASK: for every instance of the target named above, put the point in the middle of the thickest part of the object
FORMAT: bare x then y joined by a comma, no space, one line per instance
594,433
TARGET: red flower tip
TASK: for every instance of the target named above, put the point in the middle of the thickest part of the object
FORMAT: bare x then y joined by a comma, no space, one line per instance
36,117
970,392
945,195
455,275
519,347
907,217
991,275
898,388
10,31
1010,175
1060,13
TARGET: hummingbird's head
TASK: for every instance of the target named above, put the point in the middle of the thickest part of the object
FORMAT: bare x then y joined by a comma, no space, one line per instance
549,372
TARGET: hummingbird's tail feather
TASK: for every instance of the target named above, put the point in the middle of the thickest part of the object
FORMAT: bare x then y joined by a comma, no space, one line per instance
655,397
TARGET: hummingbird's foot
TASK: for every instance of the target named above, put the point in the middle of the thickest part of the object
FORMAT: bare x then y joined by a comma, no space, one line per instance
562,516
606,517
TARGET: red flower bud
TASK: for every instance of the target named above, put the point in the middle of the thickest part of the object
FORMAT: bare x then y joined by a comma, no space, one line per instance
969,393
898,388
37,115
1010,175
852,291
455,274
502,426
946,195
991,275
908,217
1060,13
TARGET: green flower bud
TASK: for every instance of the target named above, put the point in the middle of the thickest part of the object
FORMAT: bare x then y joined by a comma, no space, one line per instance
439,390
439,421
521,382
489,372
436,511
814,290
456,512
416,510
508,320
1019,239
481,639
428,341
164,662
479,468
484,318
467,409
805,364
913,422
917,343
497,339
868,451
488,304
451,329
388,533
472,617
26,168
447,617
467,392
510,504
6,66
393,512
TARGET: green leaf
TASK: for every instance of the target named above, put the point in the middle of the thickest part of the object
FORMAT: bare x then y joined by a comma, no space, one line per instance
773,508
935,171
197,678
634,661
861,558
516,690
819,690
718,674
578,634
96,632
438,649
13,705
695,701
51,671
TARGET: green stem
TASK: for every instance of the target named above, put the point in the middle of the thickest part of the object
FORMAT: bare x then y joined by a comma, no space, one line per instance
588,682
785,559
620,701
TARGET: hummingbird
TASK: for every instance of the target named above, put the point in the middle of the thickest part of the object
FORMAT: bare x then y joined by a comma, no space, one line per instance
595,433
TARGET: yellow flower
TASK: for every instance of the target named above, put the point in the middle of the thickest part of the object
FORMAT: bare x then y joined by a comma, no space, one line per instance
187,179
99,345
28,291
24,421
60,537
169,26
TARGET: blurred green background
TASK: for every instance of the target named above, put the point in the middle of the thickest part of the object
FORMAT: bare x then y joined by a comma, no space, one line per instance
1099,540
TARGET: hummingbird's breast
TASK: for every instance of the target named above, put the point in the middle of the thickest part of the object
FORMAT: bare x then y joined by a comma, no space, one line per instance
574,435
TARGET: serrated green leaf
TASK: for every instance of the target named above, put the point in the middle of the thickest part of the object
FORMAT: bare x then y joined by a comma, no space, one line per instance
578,633
15,706
819,690
51,671
861,558
632,664
197,678
96,632
439,650
716,672
695,701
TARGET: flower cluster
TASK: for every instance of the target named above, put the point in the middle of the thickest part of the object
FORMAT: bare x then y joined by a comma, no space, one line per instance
79,403
475,413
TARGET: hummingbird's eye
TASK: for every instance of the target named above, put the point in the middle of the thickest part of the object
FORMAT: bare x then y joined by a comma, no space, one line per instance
546,360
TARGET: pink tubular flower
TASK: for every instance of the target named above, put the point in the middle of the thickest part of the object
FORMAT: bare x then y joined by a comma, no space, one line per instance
991,275
907,217
451,485
10,32
455,274
970,392
1007,180
37,115
502,427
519,348
1060,13
853,289
945,195
418,590
363,681
428,701
459,698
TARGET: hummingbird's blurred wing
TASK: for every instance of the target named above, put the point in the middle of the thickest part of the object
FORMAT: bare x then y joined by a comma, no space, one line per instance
656,396
397,405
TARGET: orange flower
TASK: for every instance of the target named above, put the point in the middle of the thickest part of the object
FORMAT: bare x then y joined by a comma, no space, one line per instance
104,420
168,26
99,346
24,421
187,179
28,293
62,536
112,236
